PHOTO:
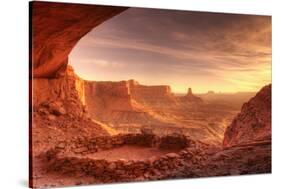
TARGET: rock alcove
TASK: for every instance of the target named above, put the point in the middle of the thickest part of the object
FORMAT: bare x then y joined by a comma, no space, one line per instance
57,90
58,102
57,27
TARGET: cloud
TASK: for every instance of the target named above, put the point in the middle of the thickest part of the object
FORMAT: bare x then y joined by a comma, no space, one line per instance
156,45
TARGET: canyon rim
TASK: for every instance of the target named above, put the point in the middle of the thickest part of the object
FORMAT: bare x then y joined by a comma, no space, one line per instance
125,94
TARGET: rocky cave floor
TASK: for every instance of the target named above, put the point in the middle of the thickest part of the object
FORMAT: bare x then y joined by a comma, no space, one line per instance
240,160
57,164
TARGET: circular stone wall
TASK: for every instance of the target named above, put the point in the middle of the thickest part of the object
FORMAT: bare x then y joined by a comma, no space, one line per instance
76,158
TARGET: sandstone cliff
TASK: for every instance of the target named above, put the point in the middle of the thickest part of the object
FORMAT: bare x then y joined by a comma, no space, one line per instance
59,112
253,123
159,96
125,102
105,98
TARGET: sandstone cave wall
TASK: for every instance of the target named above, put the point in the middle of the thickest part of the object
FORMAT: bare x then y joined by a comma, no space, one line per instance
57,27
55,30
67,90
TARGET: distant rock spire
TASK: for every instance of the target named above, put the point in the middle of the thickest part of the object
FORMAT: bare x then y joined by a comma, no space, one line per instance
189,91
190,97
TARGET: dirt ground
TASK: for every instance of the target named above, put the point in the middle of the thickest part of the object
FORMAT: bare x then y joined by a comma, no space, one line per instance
129,152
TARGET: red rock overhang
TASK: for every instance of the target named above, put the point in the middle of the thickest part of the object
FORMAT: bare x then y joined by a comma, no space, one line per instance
55,28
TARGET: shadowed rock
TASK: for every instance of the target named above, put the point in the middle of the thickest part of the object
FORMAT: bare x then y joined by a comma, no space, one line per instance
57,27
253,122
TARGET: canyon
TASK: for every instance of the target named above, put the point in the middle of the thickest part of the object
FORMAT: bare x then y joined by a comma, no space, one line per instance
90,132
86,132
128,106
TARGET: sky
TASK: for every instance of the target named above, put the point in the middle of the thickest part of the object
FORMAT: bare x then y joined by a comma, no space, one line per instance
204,51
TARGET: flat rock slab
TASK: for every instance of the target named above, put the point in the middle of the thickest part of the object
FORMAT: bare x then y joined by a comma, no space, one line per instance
129,152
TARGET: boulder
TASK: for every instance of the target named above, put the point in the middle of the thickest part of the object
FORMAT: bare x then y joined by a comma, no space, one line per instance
173,155
57,108
51,117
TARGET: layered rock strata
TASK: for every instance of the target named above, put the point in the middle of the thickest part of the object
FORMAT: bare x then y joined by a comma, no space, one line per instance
157,96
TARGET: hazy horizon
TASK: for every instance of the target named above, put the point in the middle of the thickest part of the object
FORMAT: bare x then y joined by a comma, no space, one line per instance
204,51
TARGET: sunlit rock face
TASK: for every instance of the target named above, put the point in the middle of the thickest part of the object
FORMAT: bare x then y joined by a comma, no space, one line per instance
57,27
123,100
253,123
68,90
159,95
105,98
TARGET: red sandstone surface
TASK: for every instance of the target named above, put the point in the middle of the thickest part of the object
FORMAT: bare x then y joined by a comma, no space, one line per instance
253,122
69,23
